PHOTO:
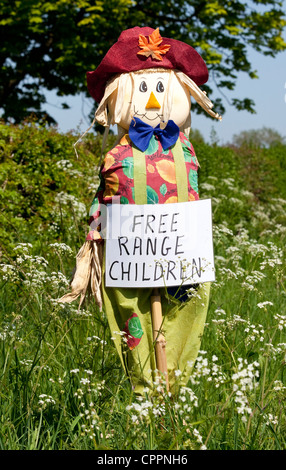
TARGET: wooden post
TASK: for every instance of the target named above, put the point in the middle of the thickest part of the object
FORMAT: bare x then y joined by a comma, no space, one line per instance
158,337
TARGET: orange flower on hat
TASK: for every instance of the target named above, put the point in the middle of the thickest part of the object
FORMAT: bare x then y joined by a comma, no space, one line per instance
152,47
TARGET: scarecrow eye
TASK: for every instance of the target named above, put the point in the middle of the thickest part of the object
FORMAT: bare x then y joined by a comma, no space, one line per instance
160,87
143,87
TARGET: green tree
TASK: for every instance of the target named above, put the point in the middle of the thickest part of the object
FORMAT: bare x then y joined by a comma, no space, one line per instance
265,137
51,45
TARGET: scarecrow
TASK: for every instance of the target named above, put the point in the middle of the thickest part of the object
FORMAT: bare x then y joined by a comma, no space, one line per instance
144,85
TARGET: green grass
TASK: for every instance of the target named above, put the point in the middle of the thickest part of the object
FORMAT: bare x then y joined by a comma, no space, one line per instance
61,383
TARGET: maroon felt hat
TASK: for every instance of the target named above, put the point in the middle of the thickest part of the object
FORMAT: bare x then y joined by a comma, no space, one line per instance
144,48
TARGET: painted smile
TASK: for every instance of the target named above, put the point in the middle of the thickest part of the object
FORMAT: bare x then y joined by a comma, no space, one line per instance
145,115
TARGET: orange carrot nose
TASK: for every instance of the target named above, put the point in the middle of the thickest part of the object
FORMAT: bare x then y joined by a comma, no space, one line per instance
152,102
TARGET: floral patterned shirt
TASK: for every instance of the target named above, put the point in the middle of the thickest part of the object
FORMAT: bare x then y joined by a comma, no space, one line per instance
116,176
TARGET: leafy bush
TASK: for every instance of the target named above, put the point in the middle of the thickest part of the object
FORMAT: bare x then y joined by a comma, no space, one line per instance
45,189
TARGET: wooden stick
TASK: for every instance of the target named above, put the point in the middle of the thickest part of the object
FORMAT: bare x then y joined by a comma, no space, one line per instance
158,337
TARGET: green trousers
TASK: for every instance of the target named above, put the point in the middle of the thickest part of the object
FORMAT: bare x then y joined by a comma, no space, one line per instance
183,325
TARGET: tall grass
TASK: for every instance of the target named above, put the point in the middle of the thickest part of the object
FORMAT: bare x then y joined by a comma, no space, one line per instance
61,383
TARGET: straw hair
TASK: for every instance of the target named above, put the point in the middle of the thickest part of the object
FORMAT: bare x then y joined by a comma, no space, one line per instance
119,83
199,95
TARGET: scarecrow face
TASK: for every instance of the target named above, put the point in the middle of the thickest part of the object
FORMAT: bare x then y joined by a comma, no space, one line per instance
147,96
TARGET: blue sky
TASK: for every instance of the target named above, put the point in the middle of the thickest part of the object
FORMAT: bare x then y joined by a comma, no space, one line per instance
268,93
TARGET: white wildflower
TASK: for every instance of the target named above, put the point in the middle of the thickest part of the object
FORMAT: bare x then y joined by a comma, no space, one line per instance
263,304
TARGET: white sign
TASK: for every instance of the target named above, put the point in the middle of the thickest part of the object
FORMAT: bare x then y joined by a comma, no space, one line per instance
156,245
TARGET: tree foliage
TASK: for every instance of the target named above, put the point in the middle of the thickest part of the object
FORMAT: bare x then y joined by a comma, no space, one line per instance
51,45
265,137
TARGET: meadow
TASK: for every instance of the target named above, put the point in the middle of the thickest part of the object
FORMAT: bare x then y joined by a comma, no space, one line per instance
61,383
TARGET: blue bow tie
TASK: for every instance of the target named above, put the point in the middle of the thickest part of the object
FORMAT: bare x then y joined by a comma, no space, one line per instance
141,133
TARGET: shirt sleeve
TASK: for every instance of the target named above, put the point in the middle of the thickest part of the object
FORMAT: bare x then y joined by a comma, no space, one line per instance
95,212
